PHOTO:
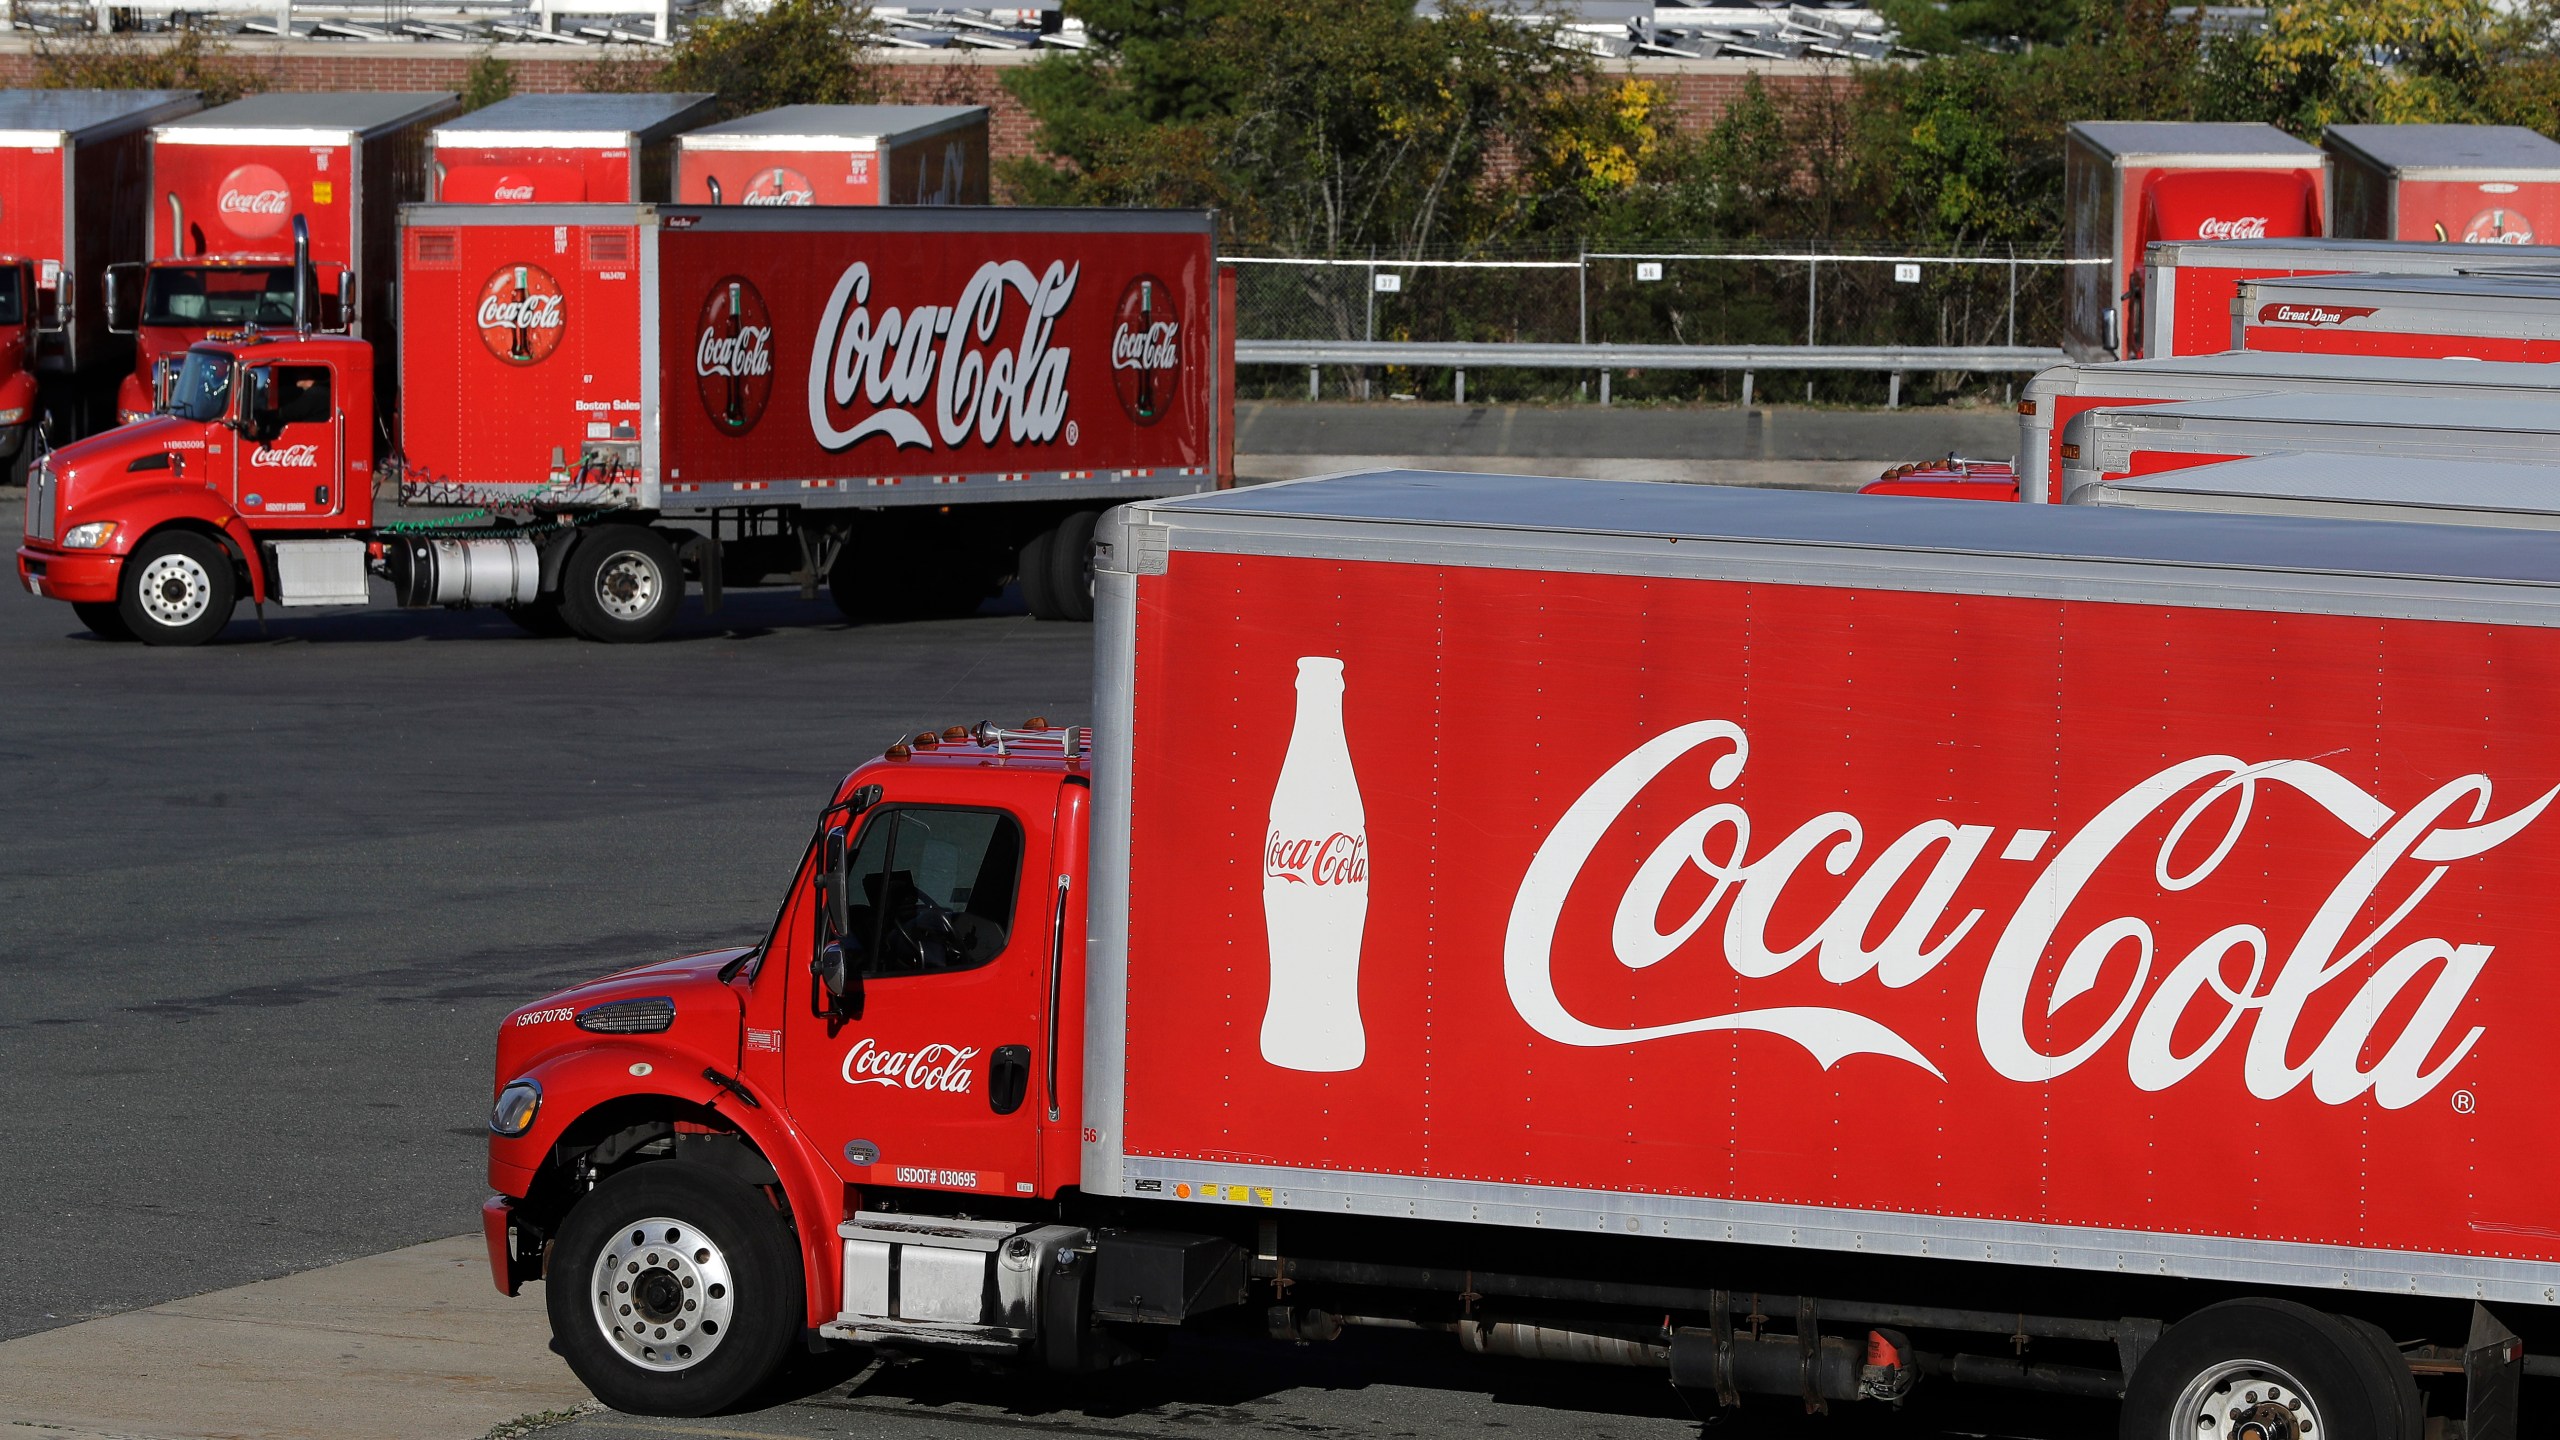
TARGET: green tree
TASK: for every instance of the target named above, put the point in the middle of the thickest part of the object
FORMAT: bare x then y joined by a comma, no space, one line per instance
490,80
792,52
194,59
1323,127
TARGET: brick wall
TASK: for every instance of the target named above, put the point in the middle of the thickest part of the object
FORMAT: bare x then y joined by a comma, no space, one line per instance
1699,90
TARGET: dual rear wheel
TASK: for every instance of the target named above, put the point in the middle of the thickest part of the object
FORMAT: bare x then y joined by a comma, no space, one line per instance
1055,569
2272,1370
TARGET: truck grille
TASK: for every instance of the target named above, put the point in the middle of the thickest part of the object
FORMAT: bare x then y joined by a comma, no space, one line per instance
39,500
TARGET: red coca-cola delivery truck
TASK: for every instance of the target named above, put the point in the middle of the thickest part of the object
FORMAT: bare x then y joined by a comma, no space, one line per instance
563,149
69,160
2191,284
2128,184
225,186
907,405
2504,315
1746,1027
2473,184
2100,446
2348,487
838,155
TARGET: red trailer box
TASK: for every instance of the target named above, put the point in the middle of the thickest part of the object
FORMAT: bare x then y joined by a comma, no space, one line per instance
225,186
2191,284
2475,184
70,163
2099,446
563,149
2507,315
2349,487
838,155
2009,914
2064,391
2128,184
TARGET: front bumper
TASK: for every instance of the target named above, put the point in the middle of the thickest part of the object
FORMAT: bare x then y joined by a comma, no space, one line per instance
497,1218
76,575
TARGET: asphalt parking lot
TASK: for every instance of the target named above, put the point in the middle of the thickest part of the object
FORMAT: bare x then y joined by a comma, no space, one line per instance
263,903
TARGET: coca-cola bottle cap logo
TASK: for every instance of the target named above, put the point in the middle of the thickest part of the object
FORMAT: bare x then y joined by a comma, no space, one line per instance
1146,350
521,314
2498,225
253,201
779,185
733,355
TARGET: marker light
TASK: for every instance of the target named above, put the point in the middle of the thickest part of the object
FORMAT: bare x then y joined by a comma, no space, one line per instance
514,1112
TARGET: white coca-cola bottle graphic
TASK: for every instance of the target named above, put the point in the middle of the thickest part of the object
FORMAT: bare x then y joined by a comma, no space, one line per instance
1315,887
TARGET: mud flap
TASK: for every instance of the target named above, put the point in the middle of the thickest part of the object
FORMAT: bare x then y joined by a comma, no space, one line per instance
2492,1373
704,552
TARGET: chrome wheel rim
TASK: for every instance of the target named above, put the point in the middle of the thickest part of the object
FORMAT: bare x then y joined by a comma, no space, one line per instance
662,1294
2245,1400
175,590
628,585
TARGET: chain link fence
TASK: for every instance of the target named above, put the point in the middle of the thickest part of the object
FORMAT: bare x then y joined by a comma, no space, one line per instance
1693,295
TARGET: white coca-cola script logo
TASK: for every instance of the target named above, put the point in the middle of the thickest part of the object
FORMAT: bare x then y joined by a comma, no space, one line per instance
2243,227
943,1068
891,361
525,312
285,456
512,192
1150,348
260,202
1336,859
749,352
779,197
2450,824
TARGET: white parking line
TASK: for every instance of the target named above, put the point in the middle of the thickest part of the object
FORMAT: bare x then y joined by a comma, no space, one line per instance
410,1345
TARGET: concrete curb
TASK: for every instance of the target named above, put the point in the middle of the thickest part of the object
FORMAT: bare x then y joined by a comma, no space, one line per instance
407,1345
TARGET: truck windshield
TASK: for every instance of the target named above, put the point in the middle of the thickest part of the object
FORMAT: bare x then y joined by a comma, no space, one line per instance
204,386
225,295
13,297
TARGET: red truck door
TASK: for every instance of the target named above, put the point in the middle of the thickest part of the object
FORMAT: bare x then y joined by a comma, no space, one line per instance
292,465
936,1083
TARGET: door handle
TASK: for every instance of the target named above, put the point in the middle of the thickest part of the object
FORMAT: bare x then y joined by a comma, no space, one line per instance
1008,1078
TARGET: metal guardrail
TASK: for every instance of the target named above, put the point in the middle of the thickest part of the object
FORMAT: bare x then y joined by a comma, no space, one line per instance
1460,357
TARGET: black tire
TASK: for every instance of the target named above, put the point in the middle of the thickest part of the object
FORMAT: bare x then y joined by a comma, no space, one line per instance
178,588
105,618
621,585
656,1369
1071,566
2275,1353
540,617
1031,572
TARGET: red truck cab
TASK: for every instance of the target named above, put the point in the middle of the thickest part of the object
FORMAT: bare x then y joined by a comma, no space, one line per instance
157,528
951,949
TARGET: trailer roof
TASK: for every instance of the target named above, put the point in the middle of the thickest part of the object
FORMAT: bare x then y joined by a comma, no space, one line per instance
362,112
72,111
2511,150
573,115
2315,365
1642,510
817,125
2505,413
2483,285
2395,256
2136,139
2374,487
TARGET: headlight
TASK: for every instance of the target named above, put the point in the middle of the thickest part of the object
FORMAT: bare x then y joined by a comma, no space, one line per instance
127,417
513,1114
89,536
13,417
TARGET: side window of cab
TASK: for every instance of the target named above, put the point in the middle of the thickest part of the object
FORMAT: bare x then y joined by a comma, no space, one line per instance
931,888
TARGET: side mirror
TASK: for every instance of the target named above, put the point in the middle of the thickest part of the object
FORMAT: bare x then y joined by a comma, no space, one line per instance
164,383
837,993
346,303
124,298
53,298
256,416
831,881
